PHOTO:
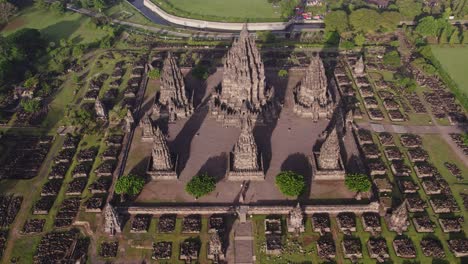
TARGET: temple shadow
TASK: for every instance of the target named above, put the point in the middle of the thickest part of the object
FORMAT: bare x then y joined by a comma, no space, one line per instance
181,144
299,163
141,167
215,167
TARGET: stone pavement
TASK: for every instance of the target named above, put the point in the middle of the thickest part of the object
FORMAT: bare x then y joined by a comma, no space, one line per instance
401,129
243,243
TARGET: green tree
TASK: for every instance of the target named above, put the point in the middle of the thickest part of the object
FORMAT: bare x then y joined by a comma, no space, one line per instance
30,105
282,73
428,26
7,9
454,39
58,7
389,21
392,59
358,182
359,40
41,4
100,4
290,183
443,38
200,185
287,7
409,9
266,36
364,20
336,21
154,74
200,72
130,185
31,82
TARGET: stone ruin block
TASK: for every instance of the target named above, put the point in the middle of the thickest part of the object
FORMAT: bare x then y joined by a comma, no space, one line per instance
386,139
101,185
444,204
431,186
191,224
326,248
424,169
378,248
216,223
383,185
371,222
432,247
141,223
274,244
417,154
352,248
415,204
33,226
451,225
162,250
393,153
404,247
454,170
43,205
408,186
273,226
95,204
346,222
109,249
321,223
400,169
410,140
62,247
76,186
376,167
364,137
167,223
82,169
52,187
371,151
459,247
375,114
423,224
189,249
396,116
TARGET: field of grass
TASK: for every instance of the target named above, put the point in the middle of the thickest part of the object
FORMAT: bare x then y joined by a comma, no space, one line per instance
125,11
223,10
453,60
54,26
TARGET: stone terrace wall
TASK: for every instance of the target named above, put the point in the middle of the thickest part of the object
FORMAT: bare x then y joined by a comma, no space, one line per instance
194,23
253,209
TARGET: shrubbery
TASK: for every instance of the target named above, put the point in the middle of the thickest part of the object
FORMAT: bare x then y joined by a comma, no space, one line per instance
358,182
200,185
290,183
130,185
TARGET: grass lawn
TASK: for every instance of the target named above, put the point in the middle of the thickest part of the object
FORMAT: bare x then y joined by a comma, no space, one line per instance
454,59
125,11
223,10
55,27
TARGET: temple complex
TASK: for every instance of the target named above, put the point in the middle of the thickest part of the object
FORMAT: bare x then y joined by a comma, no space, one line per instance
245,161
112,221
243,89
295,220
172,102
162,166
328,162
312,98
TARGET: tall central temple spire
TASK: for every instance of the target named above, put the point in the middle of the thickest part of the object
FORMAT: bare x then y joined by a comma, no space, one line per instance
243,89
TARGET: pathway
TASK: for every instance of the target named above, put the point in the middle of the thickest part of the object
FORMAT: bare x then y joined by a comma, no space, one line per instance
243,243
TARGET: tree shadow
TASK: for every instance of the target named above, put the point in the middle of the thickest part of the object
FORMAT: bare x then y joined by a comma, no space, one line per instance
61,30
215,167
299,163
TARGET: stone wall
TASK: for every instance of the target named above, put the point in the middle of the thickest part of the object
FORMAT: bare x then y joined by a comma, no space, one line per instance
201,24
251,210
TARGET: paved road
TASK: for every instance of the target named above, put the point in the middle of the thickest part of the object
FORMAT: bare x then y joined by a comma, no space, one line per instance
243,243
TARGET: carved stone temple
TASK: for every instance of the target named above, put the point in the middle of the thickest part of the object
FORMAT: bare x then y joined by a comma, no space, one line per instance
359,67
398,220
215,248
312,98
147,128
245,162
162,165
328,164
243,90
101,112
172,102
112,221
295,220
